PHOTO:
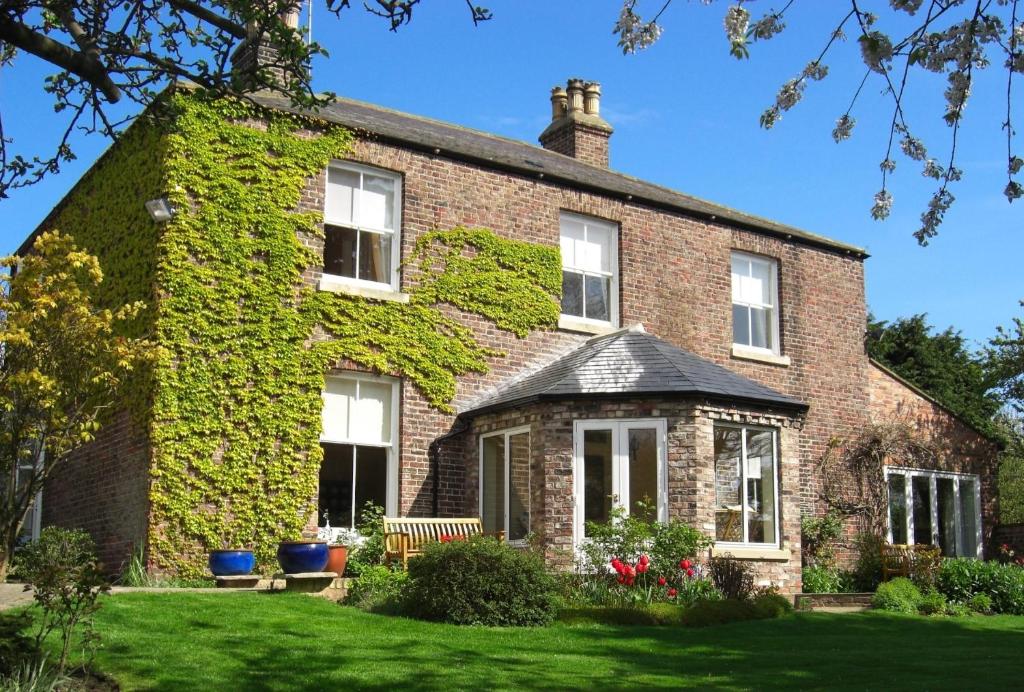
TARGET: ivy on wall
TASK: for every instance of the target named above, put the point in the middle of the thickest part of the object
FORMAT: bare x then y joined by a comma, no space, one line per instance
236,394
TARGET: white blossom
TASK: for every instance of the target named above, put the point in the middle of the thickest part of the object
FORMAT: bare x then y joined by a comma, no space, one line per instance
634,33
887,165
1016,163
883,205
770,117
931,219
913,148
1013,191
908,6
956,95
932,169
876,50
844,128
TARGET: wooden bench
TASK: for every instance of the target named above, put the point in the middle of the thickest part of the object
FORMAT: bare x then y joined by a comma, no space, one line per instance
405,537
898,560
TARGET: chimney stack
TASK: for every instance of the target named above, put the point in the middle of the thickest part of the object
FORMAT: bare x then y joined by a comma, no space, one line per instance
257,52
577,128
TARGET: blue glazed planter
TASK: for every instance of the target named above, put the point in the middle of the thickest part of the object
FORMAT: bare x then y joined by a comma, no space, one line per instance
302,556
231,563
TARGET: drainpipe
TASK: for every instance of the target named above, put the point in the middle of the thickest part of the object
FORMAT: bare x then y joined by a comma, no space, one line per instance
434,454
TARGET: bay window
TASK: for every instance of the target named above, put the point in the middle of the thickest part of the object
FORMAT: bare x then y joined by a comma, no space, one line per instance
935,508
746,485
505,483
360,421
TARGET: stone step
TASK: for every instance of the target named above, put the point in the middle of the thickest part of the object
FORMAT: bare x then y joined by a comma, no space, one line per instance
817,601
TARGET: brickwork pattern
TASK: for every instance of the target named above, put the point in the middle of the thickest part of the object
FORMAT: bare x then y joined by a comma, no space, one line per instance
103,487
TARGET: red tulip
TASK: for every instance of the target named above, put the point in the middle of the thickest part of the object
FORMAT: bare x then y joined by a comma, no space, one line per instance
629,581
689,572
621,580
672,593
685,564
642,567
662,581
644,560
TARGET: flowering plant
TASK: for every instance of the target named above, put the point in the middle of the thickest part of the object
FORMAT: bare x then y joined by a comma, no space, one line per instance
682,582
1008,556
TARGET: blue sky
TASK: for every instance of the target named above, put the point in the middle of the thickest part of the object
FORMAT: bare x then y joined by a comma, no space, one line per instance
686,116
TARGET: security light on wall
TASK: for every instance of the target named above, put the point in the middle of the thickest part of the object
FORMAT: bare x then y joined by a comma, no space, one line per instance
160,209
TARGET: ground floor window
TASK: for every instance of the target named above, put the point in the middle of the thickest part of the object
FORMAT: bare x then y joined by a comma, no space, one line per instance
746,485
935,508
360,421
619,463
505,483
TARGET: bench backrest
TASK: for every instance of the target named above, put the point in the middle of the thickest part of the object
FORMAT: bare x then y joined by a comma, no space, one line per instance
421,531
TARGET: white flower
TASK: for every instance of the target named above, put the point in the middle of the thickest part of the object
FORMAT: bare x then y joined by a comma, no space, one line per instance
844,128
913,148
882,206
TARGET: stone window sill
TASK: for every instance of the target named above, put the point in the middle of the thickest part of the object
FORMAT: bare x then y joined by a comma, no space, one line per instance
753,553
760,356
371,292
575,324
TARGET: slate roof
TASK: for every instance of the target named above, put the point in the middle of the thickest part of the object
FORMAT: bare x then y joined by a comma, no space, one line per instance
631,362
446,139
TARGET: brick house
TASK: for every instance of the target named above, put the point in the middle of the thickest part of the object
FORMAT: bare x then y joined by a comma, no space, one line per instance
703,360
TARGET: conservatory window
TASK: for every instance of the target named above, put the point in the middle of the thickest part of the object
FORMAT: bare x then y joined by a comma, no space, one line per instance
935,508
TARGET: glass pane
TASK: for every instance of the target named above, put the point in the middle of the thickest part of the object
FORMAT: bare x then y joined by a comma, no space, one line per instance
728,493
643,473
341,184
375,257
335,496
760,486
572,294
519,486
338,396
340,251
921,494
947,515
741,324
597,475
376,206
761,281
968,518
598,306
371,413
371,478
571,234
594,253
760,328
493,479
898,508
740,268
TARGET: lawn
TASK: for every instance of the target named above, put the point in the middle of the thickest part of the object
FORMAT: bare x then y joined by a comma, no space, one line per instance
189,641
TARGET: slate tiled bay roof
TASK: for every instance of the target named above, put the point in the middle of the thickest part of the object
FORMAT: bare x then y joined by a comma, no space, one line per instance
434,136
631,362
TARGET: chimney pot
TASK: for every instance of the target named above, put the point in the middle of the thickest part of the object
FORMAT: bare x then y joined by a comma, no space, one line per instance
559,103
575,91
592,98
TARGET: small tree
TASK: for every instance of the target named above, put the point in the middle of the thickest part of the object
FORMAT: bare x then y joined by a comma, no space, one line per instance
61,364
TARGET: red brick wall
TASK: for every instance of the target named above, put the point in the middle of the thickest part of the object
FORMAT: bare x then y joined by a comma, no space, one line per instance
961,448
1011,535
103,487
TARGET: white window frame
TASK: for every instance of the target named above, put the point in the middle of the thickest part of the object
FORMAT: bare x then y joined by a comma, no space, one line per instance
507,433
933,499
396,233
613,287
773,323
620,465
745,543
391,504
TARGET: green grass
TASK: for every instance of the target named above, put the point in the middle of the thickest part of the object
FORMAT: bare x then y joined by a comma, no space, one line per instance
182,641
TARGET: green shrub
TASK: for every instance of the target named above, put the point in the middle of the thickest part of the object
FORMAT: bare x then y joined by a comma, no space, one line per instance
35,675
654,614
899,595
867,574
769,604
932,603
961,579
371,552
980,603
16,646
821,580
818,537
480,582
958,610
67,580
731,577
377,589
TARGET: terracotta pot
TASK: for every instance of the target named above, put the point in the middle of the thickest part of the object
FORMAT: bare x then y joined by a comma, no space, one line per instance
337,557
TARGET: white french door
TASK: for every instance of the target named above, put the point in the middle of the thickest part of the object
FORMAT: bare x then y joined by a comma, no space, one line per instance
618,463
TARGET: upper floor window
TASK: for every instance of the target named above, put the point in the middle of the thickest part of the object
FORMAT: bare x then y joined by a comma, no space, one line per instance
589,269
359,442
746,485
362,222
755,296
